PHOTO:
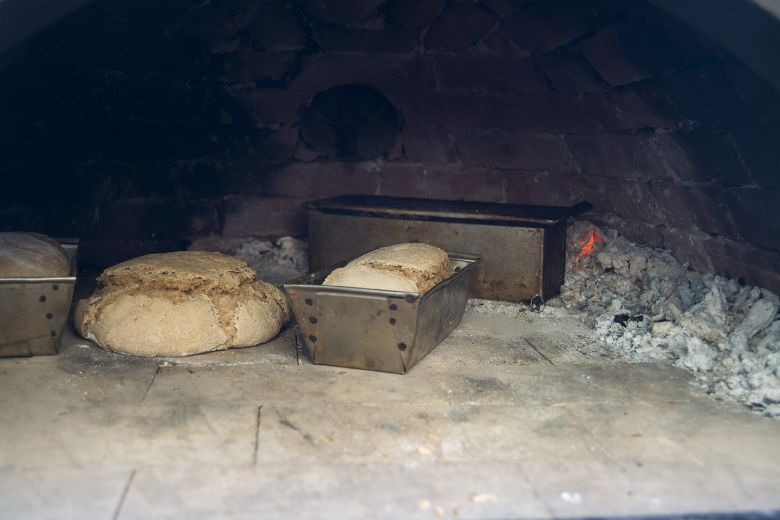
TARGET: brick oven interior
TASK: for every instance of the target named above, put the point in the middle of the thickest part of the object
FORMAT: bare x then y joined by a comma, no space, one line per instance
141,127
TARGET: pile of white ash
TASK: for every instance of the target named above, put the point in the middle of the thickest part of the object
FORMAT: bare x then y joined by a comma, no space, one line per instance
645,304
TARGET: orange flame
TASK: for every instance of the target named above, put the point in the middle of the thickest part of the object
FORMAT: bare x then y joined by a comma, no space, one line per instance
588,244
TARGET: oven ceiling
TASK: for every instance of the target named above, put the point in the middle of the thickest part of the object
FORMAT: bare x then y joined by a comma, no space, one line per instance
20,19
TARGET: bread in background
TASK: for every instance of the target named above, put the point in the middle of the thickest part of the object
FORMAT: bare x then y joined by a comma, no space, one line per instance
31,255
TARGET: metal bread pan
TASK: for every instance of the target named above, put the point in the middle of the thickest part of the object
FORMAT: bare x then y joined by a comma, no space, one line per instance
386,331
34,310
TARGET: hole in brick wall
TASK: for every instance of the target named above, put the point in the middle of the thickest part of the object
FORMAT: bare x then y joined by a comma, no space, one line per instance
351,123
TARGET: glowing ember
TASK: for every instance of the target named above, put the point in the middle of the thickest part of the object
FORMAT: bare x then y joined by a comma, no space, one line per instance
588,244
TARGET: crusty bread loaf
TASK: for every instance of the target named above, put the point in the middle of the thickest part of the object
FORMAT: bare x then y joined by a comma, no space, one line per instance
401,267
182,303
31,255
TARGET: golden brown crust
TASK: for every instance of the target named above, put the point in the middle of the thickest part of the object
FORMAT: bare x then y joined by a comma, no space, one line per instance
187,303
404,267
32,255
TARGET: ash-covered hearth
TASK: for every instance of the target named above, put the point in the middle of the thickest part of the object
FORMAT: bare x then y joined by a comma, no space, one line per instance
648,306
442,147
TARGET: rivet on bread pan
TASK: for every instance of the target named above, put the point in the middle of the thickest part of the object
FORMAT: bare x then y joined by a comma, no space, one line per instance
393,307
411,298
42,299
309,301
313,339
312,320
55,287
53,333
457,268
392,321
402,346
49,316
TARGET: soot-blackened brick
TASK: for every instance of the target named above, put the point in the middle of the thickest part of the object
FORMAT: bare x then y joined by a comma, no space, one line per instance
541,27
546,188
263,216
630,51
438,181
398,76
739,260
632,107
704,95
570,73
98,253
759,148
277,26
755,215
322,179
247,66
700,207
516,151
342,11
414,15
155,218
391,39
712,156
428,143
620,156
458,27
488,73
270,106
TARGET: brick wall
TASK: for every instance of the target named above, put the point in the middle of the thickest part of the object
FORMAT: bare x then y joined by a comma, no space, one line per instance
139,126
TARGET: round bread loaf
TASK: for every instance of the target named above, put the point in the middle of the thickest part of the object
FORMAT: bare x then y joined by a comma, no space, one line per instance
401,267
182,303
31,255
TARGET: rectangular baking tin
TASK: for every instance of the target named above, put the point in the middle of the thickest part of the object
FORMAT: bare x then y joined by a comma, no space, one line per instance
386,331
33,311
523,248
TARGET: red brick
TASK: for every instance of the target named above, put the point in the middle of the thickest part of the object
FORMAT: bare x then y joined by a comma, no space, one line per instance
428,143
488,73
441,182
520,151
263,216
634,107
323,179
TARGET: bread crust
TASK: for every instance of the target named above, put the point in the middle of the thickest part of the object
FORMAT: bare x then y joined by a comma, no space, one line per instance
182,303
411,267
31,255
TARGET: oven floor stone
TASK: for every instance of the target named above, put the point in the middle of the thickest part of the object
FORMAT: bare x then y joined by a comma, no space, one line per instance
511,417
